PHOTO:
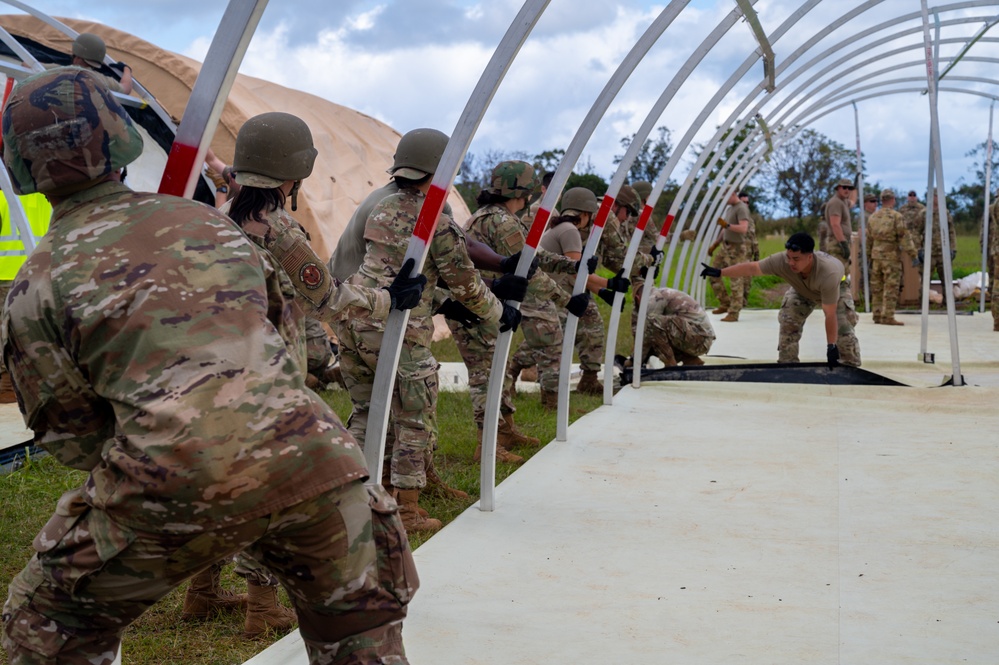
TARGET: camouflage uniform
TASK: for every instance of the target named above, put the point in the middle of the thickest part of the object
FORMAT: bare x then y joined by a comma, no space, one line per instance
886,234
936,246
823,283
914,215
494,226
414,403
643,259
183,396
677,328
841,207
317,347
737,250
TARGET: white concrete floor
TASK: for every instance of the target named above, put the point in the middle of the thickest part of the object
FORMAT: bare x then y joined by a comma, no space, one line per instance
708,523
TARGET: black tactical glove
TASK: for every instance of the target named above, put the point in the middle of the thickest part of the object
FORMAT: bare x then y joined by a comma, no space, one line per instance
509,265
455,311
510,318
591,265
608,297
709,271
578,304
953,253
404,290
844,246
120,66
832,355
917,261
510,287
619,282
657,261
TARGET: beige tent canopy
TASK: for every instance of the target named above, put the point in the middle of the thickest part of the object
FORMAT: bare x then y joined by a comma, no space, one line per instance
354,149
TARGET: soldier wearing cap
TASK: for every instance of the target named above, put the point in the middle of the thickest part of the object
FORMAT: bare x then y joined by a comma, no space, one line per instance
754,243
168,358
870,204
886,235
839,228
914,214
735,226
89,52
816,279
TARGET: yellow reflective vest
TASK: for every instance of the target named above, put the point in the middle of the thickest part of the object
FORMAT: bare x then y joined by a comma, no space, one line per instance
12,251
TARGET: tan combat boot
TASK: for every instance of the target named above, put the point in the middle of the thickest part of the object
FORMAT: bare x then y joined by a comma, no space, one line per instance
509,436
437,487
264,612
720,309
502,454
589,385
731,317
7,395
529,374
409,510
891,321
205,597
549,399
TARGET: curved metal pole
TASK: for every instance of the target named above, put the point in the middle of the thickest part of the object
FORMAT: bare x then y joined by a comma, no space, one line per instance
863,215
948,289
20,51
984,282
593,116
636,237
395,327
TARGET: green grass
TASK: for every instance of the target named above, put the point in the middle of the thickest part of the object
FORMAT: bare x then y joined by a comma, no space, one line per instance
159,636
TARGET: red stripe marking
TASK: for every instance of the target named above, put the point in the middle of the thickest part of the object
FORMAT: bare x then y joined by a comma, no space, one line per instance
666,225
538,227
643,220
6,93
605,207
180,165
430,213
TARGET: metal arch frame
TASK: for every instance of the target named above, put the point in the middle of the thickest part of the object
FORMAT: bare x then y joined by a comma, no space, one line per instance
653,117
677,155
986,212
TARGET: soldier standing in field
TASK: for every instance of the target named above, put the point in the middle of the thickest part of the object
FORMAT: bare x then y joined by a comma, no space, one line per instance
735,226
886,235
936,244
836,216
166,359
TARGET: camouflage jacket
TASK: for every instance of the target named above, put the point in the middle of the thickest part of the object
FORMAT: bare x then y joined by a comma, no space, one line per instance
886,234
936,245
670,302
387,233
494,226
318,293
914,215
156,347
612,246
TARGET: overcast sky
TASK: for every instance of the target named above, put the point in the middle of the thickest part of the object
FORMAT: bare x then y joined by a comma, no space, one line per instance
413,63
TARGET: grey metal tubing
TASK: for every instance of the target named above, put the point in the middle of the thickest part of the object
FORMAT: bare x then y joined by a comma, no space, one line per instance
863,214
984,282
23,53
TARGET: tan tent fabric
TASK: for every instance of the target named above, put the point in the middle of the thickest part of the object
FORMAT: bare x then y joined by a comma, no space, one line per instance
354,149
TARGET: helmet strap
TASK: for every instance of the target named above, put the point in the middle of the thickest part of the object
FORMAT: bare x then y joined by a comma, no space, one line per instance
294,195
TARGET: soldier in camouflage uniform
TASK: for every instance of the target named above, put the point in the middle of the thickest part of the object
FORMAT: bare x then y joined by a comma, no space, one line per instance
89,51
496,225
677,330
936,245
543,344
816,279
992,265
754,244
914,214
591,332
735,226
839,227
886,234
648,255
183,396
414,403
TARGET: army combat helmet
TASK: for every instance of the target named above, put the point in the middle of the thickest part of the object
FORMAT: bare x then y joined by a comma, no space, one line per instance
271,149
418,153
643,188
628,197
62,131
513,179
581,199
90,48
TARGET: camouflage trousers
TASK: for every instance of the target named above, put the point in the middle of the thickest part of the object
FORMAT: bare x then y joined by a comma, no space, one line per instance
994,295
885,277
729,254
793,312
832,248
4,290
413,411
589,337
672,337
343,557
317,346
937,267
542,346
476,345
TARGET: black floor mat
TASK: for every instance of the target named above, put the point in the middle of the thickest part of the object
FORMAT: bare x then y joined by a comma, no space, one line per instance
810,373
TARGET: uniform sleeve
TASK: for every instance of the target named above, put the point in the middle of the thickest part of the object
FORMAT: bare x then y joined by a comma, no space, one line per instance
612,246
350,295
70,421
450,256
905,238
554,263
